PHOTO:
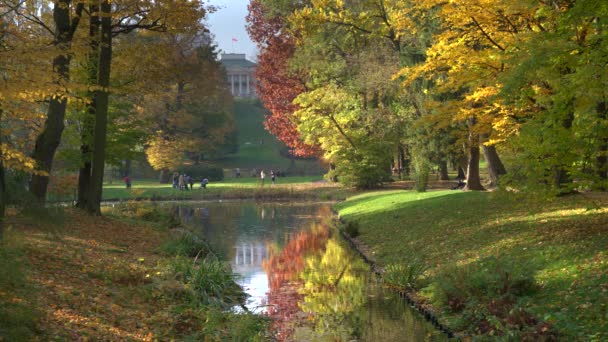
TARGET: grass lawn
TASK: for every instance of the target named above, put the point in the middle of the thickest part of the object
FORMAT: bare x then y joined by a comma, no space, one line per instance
246,187
474,243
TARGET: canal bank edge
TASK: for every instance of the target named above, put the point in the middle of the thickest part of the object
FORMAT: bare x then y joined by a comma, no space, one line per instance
364,252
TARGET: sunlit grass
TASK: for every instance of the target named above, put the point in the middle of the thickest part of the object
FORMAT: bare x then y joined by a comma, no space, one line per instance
563,242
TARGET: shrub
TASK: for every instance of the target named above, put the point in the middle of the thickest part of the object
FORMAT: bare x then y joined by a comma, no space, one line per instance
147,211
421,170
186,244
211,280
352,228
366,168
486,294
405,275
198,172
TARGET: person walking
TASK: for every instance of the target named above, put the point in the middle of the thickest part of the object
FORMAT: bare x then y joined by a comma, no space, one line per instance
262,176
272,176
175,180
181,182
186,181
191,182
127,182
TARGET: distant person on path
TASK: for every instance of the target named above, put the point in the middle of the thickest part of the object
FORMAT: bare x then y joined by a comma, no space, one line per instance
262,176
191,182
272,176
460,184
175,180
181,182
204,183
127,182
237,172
186,181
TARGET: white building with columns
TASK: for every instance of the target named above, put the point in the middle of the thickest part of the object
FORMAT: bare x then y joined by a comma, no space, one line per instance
240,73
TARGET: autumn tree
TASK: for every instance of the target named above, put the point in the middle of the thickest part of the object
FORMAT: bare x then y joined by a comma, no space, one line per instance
193,112
558,84
66,15
277,85
22,83
356,48
106,22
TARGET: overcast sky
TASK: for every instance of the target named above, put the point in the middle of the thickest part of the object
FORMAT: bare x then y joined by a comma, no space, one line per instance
229,22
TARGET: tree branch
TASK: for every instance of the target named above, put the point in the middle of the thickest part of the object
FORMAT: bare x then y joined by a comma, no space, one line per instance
487,35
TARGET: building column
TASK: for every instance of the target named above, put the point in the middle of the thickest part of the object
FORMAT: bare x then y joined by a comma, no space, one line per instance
232,84
248,91
240,85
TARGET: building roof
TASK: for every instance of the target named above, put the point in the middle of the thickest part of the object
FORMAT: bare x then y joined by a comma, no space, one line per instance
231,60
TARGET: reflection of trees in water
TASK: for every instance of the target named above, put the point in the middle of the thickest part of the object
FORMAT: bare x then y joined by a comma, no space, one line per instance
334,289
286,265
345,302
326,293
283,269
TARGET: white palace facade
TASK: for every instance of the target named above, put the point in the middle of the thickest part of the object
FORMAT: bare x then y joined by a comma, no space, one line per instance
240,74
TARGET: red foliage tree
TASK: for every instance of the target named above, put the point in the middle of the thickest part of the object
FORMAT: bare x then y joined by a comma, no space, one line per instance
276,86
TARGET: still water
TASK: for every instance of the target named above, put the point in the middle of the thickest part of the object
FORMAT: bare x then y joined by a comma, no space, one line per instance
302,274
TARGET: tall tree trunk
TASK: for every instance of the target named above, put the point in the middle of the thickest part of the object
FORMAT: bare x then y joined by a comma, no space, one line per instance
102,97
602,155
50,137
163,177
126,168
461,173
495,165
462,166
2,185
473,181
443,170
84,175
405,161
560,173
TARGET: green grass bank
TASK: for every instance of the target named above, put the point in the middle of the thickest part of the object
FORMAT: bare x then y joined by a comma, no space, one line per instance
304,187
494,263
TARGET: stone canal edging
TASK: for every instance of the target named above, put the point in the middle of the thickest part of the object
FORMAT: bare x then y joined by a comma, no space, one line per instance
363,251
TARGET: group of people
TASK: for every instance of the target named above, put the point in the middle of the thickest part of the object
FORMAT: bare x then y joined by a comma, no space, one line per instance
272,176
182,181
186,182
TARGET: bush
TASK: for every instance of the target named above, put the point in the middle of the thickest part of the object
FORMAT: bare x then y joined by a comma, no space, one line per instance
421,170
147,211
352,229
486,295
405,275
211,280
198,172
364,169
186,244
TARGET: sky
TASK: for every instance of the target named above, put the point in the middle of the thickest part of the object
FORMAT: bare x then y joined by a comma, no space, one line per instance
228,23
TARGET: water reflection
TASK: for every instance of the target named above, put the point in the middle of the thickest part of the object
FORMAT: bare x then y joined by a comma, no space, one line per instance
297,272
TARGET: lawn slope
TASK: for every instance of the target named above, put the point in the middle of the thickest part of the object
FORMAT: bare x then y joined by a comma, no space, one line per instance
260,149
496,263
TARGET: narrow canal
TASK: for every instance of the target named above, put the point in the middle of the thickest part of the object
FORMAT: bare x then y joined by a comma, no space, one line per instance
302,274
